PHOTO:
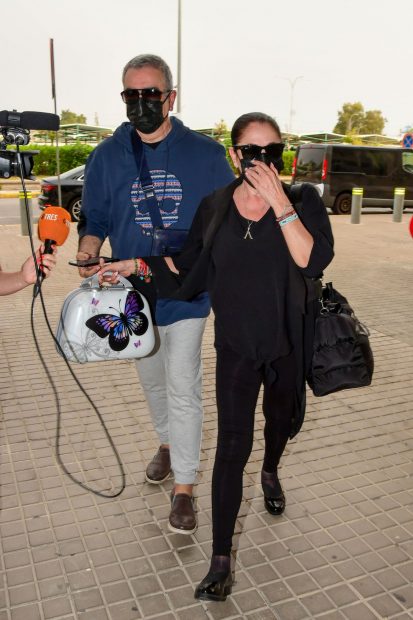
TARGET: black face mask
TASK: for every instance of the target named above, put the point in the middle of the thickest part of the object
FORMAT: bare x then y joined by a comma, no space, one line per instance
146,116
266,159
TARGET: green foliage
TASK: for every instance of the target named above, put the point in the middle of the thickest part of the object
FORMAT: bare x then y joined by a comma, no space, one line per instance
70,156
288,158
352,119
220,130
373,122
67,117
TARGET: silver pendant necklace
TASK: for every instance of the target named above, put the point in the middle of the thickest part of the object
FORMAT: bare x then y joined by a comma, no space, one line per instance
248,232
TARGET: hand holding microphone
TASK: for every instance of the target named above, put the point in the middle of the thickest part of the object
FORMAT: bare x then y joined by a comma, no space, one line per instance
53,229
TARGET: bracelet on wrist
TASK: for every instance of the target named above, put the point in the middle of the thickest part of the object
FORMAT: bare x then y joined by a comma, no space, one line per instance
286,209
288,213
288,219
142,270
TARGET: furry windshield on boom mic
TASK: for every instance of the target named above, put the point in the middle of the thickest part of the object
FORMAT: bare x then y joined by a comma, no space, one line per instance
29,120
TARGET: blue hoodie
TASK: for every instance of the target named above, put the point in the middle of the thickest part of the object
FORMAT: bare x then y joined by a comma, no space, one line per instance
185,167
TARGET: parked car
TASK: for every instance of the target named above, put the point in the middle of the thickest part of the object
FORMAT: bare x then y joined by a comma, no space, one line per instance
71,183
340,167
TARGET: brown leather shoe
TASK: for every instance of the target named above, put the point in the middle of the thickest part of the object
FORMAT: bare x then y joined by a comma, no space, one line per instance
182,518
159,468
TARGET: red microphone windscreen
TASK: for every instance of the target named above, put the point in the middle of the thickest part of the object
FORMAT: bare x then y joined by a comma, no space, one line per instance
54,223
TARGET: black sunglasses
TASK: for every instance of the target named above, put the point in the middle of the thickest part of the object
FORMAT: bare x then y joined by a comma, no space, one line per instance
254,151
132,95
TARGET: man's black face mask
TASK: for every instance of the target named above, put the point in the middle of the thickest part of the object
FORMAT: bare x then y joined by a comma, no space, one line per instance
145,116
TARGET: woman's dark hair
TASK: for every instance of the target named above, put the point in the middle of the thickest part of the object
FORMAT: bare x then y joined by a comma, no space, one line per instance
243,121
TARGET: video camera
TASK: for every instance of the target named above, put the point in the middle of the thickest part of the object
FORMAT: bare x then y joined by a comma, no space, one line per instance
15,129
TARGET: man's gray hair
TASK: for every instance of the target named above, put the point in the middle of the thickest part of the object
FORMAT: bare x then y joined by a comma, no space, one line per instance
150,60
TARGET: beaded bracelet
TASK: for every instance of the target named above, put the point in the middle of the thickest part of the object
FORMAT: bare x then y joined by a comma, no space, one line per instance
142,270
288,219
284,213
282,217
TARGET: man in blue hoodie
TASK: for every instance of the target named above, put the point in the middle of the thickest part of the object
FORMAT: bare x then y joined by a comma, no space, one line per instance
184,166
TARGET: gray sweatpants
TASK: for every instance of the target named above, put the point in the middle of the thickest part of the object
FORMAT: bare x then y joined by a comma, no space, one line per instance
171,379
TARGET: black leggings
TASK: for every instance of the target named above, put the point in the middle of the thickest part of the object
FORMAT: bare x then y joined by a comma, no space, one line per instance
238,384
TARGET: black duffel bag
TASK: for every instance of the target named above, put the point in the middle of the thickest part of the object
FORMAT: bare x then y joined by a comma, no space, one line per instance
342,357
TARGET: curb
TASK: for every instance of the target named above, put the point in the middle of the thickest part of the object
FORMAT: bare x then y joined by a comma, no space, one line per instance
16,194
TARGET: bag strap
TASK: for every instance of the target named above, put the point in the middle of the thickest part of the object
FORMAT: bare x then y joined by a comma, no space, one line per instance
146,180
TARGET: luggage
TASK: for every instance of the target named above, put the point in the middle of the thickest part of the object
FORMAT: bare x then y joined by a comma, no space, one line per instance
105,323
342,356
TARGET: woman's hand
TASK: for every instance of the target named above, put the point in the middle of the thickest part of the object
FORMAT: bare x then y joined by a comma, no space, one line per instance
268,185
46,263
121,268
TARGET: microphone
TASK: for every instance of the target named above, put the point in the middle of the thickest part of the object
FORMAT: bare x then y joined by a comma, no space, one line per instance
53,229
30,120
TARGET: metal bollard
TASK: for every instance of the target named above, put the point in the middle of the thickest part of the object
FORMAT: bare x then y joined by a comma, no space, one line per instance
398,203
356,202
25,223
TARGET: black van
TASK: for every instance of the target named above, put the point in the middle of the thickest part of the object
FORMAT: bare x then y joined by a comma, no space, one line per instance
340,167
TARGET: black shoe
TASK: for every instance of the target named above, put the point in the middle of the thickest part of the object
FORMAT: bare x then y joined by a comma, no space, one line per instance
275,505
274,498
214,587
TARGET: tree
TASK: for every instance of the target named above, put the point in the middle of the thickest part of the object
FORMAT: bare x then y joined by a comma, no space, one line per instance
220,130
373,122
67,117
352,119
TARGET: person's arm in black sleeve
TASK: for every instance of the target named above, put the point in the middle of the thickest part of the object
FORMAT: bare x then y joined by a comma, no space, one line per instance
169,273
314,216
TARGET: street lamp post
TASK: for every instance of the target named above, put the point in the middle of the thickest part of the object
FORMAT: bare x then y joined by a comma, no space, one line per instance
292,86
178,71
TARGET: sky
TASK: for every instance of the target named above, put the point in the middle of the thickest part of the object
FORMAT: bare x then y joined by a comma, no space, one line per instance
299,59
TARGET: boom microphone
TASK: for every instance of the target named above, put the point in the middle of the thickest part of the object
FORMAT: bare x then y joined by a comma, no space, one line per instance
53,229
29,120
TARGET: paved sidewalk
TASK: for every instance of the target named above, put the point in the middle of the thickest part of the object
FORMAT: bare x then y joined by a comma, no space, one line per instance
343,548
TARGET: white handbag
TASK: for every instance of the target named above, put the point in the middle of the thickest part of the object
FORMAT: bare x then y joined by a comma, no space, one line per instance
105,323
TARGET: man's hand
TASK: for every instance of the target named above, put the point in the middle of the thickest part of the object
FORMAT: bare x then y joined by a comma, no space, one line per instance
89,247
86,272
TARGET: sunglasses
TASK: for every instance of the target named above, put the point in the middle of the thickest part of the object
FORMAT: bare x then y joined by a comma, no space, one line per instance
254,151
132,95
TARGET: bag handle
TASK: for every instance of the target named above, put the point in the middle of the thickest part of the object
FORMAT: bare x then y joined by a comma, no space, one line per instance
93,282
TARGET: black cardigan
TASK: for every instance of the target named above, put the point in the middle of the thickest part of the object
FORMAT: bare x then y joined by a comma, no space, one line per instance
193,264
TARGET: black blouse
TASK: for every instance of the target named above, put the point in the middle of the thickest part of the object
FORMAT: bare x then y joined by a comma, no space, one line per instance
248,283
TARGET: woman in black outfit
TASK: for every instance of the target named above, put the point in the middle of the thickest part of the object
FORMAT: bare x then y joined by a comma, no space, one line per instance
251,250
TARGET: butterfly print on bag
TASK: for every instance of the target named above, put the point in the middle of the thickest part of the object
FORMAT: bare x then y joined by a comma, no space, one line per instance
119,328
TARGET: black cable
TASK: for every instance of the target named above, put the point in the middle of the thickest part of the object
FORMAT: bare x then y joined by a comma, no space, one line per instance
38,286
59,411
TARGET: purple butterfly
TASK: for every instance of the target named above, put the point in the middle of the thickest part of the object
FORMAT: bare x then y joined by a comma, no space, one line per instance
119,328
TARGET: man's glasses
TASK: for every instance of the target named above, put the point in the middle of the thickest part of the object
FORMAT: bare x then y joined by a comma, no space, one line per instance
132,95
254,151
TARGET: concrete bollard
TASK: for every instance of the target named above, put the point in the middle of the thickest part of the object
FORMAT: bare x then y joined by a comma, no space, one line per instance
398,203
26,224
356,203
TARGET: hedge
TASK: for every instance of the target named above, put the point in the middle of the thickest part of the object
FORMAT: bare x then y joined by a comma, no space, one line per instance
70,156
